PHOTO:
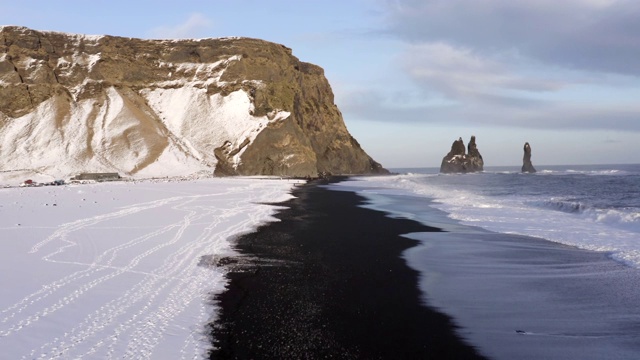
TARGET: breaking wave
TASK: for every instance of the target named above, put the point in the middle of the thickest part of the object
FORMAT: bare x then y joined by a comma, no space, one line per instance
625,218
571,207
591,208
604,172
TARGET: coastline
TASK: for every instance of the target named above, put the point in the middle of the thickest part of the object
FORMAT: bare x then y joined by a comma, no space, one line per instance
328,280
519,297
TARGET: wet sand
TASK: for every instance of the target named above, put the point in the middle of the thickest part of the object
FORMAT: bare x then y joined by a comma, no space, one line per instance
519,297
328,281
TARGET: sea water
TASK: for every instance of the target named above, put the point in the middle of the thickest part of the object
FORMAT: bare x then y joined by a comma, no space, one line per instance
595,207
529,266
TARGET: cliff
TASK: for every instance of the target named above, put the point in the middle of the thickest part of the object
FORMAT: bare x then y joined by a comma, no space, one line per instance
233,106
459,161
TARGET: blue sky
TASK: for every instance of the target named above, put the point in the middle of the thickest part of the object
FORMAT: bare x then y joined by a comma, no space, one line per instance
411,76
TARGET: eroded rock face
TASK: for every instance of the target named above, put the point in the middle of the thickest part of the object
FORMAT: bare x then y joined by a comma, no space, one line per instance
71,103
527,166
458,161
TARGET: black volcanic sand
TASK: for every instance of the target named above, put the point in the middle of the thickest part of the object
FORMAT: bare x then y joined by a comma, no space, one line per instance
328,282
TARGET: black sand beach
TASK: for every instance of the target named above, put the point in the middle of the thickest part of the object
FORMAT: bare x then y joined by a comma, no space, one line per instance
519,297
328,282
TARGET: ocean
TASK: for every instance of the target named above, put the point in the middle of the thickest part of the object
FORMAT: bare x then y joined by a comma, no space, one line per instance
594,207
529,266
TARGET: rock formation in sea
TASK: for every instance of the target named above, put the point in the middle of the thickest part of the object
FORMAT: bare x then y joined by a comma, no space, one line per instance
459,161
237,106
527,166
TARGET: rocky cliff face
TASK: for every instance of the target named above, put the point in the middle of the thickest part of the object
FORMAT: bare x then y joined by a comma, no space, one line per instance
527,165
71,103
459,161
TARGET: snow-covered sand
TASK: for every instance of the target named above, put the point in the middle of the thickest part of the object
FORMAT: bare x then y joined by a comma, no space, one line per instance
116,270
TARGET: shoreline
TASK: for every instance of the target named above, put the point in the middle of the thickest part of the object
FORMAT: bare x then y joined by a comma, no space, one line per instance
520,297
329,280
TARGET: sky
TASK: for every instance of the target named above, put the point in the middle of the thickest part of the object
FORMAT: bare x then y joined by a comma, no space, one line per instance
412,76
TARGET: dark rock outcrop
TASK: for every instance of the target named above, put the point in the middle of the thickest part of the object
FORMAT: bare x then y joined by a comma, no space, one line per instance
527,166
459,161
236,106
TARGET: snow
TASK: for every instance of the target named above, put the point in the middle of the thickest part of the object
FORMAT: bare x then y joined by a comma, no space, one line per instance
122,137
63,63
169,128
31,62
78,37
121,270
85,60
205,122
196,74
226,38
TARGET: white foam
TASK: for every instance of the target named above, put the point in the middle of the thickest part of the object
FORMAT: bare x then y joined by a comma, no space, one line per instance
612,172
611,230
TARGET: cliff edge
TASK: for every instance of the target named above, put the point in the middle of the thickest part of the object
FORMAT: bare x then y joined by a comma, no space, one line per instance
234,106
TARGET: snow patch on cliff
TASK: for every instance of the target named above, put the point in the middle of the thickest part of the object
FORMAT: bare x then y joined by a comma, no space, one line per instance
196,74
206,122
153,133
179,122
86,60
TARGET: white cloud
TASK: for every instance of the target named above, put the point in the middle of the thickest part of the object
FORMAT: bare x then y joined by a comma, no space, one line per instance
460,72
594,35
600,4
537,64
195,26
368,105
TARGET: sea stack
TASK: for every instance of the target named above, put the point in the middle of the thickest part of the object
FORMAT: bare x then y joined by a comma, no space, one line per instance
527,166
459,161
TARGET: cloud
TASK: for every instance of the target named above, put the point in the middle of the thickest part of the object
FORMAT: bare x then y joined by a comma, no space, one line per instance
537,64
195,26
372,105
594,35
460,72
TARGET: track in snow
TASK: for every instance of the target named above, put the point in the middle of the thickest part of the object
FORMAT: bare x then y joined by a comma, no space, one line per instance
112,271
